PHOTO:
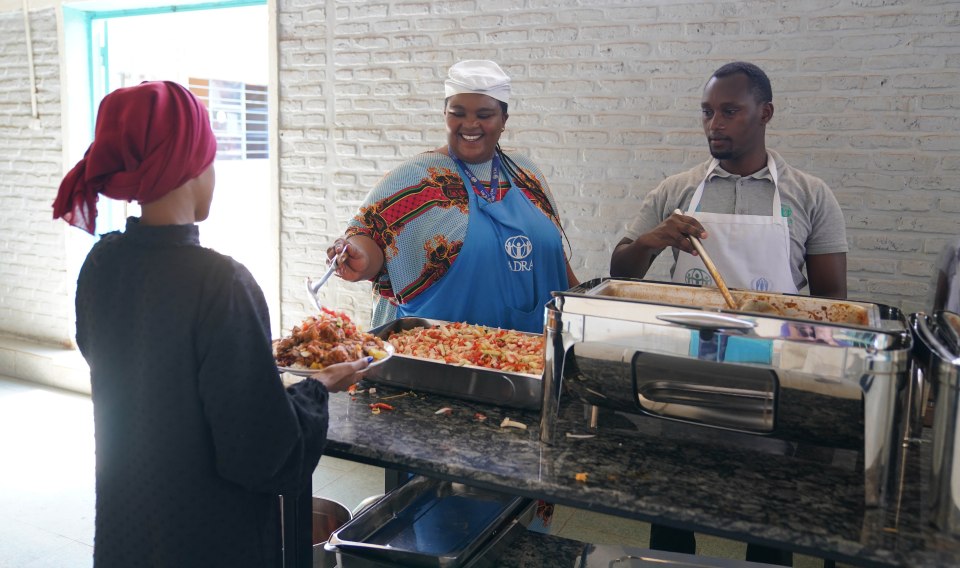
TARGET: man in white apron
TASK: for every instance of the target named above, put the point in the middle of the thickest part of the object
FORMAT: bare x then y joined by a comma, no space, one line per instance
762,221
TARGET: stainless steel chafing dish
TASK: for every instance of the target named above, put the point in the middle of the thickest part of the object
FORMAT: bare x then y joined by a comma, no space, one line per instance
823,372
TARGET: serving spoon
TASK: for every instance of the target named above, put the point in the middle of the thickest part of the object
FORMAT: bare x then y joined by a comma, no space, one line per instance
749,305
711,268
314,287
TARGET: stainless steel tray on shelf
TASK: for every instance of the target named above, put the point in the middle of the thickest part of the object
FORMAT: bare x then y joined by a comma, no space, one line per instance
428,523
611,555
468,382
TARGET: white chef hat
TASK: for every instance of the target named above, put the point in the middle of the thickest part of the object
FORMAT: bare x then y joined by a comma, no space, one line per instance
477,76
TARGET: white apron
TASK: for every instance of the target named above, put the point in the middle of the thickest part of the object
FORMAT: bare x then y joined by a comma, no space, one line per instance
751,252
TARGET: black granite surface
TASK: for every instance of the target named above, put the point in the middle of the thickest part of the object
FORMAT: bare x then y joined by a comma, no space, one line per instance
535,550
811,503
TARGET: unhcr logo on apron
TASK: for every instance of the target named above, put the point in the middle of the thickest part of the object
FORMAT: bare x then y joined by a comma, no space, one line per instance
698,277
760,284
766,267
518,249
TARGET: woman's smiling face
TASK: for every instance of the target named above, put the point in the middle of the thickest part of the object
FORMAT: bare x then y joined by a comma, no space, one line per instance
474,125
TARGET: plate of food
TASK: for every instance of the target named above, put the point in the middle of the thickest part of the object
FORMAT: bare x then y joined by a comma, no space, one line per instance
327,338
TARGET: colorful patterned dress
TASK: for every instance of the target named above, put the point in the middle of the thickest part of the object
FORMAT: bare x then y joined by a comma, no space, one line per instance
418,215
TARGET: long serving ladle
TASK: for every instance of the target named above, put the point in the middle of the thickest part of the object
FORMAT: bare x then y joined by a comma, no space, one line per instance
314,287
748,305
711,268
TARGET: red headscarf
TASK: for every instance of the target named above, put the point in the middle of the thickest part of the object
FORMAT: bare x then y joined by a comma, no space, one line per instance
150,139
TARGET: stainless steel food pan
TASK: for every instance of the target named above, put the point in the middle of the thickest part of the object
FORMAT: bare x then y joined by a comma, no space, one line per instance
607,556
787,305
468,382
427,523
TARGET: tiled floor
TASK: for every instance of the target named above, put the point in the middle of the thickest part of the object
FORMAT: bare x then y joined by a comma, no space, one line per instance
47,487
46,480
47,477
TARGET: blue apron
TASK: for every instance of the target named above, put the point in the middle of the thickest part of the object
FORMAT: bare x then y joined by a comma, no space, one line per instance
512,258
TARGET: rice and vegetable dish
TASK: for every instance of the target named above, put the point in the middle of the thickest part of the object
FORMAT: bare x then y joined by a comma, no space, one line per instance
465,344
322,340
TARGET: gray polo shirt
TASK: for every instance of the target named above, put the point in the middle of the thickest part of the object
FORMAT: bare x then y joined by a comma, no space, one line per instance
813,214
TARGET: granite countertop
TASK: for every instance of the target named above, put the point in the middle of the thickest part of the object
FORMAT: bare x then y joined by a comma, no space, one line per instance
807,504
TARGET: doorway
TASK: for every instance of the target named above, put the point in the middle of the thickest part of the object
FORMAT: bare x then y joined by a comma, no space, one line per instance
220,51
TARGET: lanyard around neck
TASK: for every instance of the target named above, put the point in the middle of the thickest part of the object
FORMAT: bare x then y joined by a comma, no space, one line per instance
488,194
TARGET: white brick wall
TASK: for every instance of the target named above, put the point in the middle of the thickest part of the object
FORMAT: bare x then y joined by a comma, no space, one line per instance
867,94
607,98
35,294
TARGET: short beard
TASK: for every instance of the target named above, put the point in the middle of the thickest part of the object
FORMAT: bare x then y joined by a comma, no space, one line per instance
728,155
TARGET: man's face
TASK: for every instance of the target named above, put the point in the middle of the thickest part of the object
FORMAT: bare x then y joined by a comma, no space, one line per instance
733,120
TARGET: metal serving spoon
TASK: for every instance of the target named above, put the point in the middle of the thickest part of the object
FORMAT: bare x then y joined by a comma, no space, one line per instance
314,287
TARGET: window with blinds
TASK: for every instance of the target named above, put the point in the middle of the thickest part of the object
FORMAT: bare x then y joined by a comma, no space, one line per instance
238,114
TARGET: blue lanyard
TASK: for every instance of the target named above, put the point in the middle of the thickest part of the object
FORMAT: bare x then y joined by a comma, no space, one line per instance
488,194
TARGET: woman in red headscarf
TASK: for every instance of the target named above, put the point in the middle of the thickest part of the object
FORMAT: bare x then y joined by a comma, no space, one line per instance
195,433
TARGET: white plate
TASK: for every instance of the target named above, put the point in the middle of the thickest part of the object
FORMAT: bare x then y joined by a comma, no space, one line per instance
301,372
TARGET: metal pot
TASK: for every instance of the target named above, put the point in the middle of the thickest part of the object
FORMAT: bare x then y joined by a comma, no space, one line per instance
328,516
938,361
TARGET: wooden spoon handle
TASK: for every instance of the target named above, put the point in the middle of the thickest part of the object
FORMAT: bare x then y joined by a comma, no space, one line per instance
712,269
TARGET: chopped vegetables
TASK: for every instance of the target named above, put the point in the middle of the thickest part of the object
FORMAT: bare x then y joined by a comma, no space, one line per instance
507,423
445,410
378,406
480,417
581,477
464,344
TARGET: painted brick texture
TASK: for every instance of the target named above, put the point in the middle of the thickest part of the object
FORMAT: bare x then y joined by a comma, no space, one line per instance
606,100
36,296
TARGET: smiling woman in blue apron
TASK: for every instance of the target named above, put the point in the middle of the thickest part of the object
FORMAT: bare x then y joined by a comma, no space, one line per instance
767,225
465,232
